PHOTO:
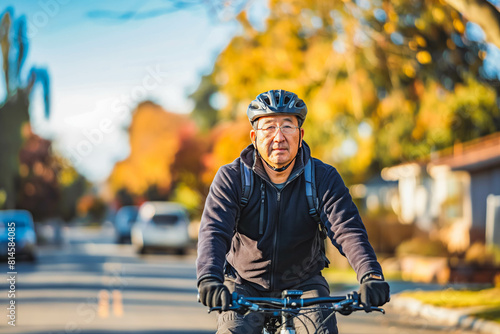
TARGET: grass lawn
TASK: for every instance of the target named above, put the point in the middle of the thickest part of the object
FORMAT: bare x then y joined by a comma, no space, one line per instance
348,276
489,298
342,279
490,314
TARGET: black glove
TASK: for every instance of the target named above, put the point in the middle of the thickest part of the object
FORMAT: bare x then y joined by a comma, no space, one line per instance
374,293
213,293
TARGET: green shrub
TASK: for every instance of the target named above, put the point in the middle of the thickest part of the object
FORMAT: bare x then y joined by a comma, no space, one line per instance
422,246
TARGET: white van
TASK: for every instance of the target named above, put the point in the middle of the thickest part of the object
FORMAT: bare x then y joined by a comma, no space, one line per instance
161,225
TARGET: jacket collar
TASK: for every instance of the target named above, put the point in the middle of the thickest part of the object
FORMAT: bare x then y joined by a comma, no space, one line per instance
251,160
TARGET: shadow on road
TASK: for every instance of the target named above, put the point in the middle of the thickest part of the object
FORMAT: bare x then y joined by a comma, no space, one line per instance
98,286
173,331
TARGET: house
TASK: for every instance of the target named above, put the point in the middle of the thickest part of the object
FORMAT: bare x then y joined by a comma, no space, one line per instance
375,195
449,192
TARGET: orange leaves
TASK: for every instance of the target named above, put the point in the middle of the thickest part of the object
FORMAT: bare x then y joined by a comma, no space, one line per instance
155,138
228,140
170,159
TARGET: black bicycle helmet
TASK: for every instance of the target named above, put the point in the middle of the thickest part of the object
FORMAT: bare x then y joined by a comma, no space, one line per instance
277,102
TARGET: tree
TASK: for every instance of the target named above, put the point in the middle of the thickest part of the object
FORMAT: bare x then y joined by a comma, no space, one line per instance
204,114
14,109
32,176
483,13
38,188
164,161
227,140
384,81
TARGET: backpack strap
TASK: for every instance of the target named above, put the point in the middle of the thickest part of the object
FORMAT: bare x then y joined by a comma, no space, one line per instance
313,203
246,188
246,184
311,194
246,192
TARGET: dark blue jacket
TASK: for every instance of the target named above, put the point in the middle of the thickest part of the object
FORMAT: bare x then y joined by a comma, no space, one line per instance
287,252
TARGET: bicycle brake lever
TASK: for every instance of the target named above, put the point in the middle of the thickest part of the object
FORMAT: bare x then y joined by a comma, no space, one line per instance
360,308
378,309
231,308
248,305
239,305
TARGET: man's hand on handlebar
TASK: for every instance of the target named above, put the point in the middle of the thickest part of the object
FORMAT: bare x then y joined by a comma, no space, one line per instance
374,293
213,293
344,305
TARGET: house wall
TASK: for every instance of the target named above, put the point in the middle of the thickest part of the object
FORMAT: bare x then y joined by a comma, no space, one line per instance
483,183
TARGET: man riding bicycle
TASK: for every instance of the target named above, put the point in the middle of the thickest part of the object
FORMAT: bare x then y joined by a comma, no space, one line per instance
272,242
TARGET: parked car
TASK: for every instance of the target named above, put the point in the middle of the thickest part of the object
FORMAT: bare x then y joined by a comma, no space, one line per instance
125,218
17,226
161,225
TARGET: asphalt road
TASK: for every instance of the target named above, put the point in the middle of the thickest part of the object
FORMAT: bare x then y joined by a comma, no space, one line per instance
90,285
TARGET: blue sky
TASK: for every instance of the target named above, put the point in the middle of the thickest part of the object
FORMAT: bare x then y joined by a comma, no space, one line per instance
104,57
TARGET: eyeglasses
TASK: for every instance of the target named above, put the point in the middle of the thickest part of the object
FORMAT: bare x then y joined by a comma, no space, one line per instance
272,129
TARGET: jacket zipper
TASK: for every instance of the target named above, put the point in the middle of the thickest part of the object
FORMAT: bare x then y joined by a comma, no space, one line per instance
276,240
275,248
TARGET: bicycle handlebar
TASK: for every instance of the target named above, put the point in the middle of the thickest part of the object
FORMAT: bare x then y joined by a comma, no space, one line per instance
342,304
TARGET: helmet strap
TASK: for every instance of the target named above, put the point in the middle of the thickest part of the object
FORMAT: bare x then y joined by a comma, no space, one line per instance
276,169
281,169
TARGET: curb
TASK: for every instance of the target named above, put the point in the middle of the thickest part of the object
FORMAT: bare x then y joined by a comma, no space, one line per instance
460,318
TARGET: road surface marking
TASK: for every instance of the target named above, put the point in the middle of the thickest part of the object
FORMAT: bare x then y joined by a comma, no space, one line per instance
103,304
117,303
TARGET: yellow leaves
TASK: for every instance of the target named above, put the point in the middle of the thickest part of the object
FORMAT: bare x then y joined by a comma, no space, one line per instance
438,14
409,70
316,58
187,196
341,86
322,110
421,41
474,93
433,113
67,176
395,102
459,26
440,109
424,57
281,56
416,42
389,27
3,197
420,24
245,23
364,155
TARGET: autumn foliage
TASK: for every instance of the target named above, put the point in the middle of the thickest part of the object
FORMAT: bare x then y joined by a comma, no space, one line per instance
385,82
154,144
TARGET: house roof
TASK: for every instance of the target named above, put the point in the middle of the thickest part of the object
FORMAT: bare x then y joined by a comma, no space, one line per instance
478,154
481,153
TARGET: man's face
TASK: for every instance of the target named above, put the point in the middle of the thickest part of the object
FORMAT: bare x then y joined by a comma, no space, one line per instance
276,148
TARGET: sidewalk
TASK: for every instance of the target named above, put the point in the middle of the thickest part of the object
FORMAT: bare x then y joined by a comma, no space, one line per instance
457,317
